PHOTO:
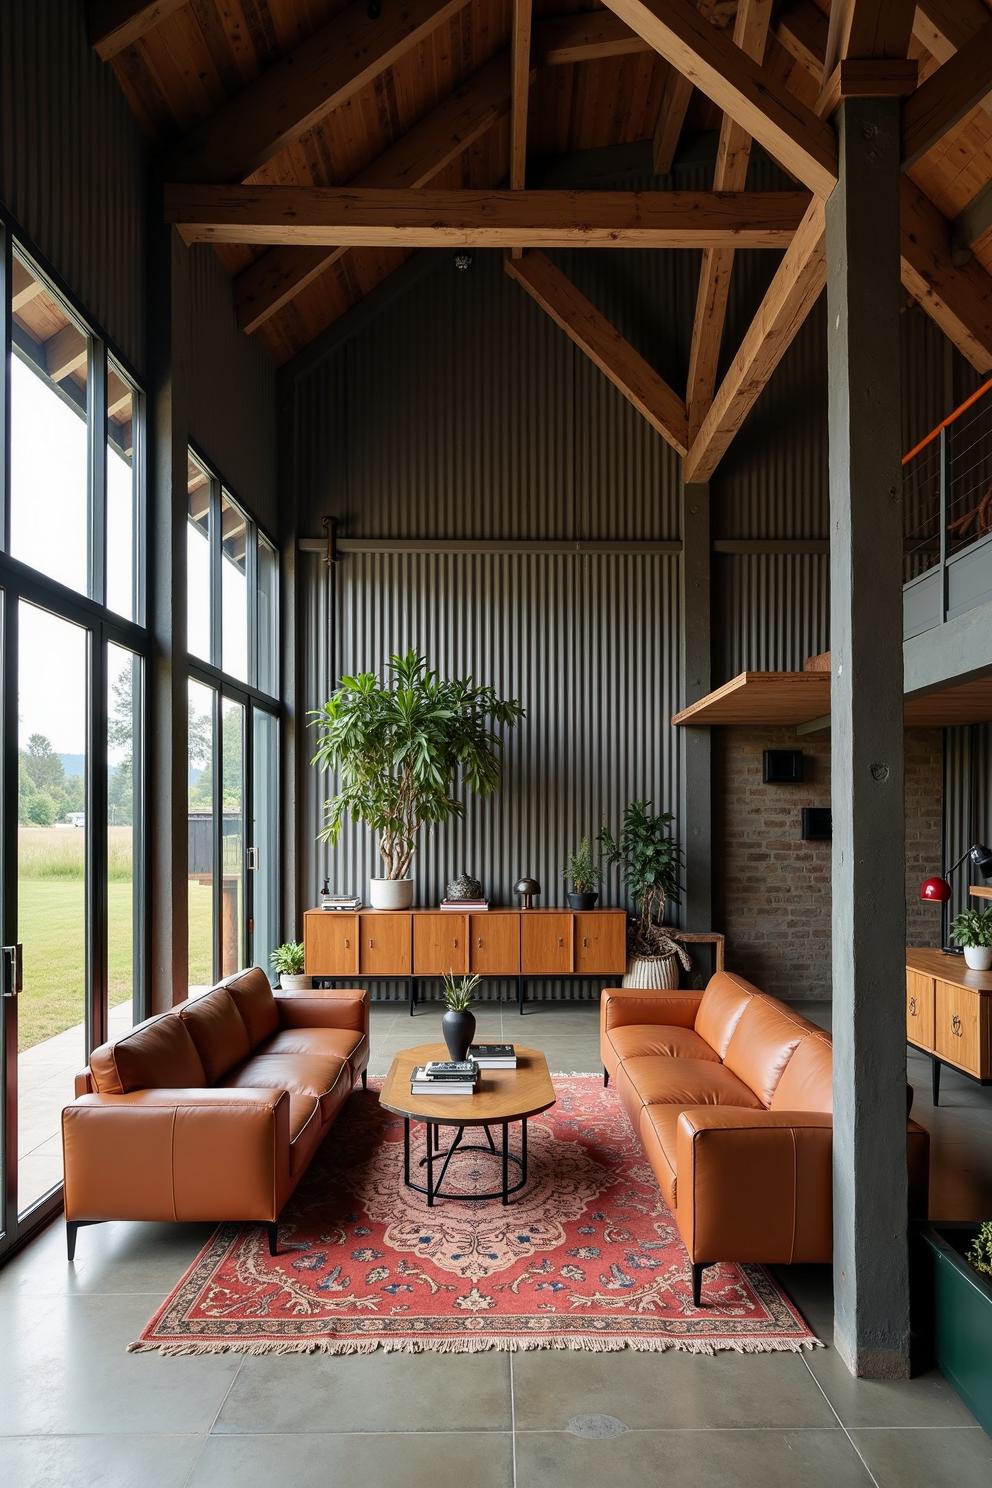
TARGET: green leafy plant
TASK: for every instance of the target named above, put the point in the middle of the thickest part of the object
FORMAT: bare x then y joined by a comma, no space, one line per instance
398,746
458,992
980,1250
651,861
288,959
581,872
973,927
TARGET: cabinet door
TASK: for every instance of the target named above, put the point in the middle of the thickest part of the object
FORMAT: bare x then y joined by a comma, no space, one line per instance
331,940
545,943
494,944
384,944
919,1009
600,943
440,944
957,1027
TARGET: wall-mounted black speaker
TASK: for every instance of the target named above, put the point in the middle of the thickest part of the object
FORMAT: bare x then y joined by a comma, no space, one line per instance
782,766
817,824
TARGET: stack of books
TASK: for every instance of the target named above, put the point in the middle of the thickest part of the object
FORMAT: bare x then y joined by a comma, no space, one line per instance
494,1056
340,901
463,906
445,1077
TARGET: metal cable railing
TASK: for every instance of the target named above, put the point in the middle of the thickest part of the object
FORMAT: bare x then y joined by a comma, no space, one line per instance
947,487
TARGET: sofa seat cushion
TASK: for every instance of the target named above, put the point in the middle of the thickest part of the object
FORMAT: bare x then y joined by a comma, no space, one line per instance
218,1031
342,1043
632,1040
649,1080
658,1128
765,1039
305,1131
324,1077
156,1054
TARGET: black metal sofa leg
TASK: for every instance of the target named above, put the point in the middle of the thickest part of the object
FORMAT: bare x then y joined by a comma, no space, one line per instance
273,1231
698,1267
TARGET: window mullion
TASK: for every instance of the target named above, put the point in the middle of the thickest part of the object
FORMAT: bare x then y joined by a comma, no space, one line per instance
96,382
6,320
96,891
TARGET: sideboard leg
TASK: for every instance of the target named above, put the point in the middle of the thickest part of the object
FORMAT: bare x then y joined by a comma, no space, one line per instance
935,1079
521,994
411,994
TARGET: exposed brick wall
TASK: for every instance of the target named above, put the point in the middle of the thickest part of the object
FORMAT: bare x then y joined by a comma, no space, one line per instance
773,889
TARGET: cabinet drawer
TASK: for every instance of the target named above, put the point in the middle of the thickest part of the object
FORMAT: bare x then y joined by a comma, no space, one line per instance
919,1009
600,943
494,944
440,944
545,943
331,940
957,1033
384,944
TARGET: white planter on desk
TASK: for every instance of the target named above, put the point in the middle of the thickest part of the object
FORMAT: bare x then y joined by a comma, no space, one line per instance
297,983
390,893
978,958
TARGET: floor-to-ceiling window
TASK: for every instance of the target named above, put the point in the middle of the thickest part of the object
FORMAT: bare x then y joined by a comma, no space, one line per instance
232,627
72,659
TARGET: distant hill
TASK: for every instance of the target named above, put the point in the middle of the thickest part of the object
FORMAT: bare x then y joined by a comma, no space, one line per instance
73,764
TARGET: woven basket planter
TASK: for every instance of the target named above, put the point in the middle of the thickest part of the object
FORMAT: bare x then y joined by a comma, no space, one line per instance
657,973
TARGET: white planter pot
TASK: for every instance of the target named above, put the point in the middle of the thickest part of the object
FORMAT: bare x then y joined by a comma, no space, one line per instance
978,958
657,973
391,893
295,983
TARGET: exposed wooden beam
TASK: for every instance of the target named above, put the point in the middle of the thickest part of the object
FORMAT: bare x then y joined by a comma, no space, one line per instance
867,28
802,30
483,219
603,344
520,79
947,96
416,159
730,174
803,144
25,287
585,37
946,26
65,352
957,297
791,295
318,75
119,395
116,24
971,225
675,98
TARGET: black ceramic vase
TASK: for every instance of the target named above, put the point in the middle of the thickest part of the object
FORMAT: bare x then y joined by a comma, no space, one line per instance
459,1031
582,901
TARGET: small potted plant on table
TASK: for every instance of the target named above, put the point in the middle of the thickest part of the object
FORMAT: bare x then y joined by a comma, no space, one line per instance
583,876
288,961
458,1023
972,930
651,860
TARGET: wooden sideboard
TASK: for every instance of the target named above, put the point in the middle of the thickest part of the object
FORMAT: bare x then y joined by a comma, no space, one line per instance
949,1014
412,943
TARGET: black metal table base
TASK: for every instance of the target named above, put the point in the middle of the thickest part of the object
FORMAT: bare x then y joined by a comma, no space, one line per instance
435,1156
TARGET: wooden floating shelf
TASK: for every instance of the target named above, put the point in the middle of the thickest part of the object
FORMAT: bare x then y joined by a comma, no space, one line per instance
783,698
981,891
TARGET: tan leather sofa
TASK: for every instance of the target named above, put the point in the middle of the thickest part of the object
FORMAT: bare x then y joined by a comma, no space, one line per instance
214,1109
730,1093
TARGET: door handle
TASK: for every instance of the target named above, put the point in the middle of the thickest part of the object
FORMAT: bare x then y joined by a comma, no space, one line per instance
585,941
454,943
371,945
13,970
479,942
560,940
956,1026
347,944
912,1007
252,859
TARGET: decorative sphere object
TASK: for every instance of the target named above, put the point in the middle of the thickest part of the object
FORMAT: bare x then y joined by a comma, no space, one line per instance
464,887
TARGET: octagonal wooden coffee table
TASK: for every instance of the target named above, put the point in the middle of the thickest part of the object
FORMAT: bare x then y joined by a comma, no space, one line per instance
502,1096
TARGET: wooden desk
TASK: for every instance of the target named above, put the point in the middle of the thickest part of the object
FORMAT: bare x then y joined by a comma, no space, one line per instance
949,1014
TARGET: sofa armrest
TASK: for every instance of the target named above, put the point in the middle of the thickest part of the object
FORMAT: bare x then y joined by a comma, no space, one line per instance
199,1154
755,1185
335,1007
623,1005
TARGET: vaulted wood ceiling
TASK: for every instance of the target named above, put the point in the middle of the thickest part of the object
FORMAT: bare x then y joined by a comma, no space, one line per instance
464,95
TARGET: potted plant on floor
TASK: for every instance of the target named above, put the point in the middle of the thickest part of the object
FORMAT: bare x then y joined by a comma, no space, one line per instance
399,746
583,876
972,930
960,1257
458,1023
651,861
288,961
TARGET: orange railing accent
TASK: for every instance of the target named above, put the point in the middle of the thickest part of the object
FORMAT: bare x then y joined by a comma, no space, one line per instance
945,423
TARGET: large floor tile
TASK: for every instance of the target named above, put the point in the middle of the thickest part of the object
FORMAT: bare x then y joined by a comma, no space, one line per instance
418,1460
371,1392
930,1458
111,1461
70,1371
927,1400
552,1390
691,1459
118,1257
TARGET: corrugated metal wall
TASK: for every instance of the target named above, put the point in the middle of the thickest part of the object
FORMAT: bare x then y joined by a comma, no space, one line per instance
72,164
967,804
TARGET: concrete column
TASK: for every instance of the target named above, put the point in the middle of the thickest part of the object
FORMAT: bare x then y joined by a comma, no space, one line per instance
871,1282
697,674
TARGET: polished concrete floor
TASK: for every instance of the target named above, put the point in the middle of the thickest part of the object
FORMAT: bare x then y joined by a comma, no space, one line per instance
76,1408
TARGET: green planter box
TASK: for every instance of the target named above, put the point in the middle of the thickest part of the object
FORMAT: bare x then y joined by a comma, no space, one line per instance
962,1317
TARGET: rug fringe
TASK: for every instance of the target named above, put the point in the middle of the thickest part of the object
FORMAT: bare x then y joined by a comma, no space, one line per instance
577,1343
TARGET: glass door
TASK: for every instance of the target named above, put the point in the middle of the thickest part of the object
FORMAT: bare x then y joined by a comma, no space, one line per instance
263,854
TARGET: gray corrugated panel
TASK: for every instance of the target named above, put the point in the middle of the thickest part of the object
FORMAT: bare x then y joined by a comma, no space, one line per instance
72,164
772,610
967,803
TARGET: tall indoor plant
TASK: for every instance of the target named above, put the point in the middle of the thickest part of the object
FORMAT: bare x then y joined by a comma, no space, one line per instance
651,861
398,746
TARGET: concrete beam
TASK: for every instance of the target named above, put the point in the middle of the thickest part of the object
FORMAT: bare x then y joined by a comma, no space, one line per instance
956,651
871,1277
697,679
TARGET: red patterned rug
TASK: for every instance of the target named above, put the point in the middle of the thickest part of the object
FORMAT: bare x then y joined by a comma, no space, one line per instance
587,1256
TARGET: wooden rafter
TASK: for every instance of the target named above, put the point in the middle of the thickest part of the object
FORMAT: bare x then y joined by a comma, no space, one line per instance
867,28
483,219
116,24
585,37
25,287
318,75
957,296
603,344
803,144
791,295
65,352
730,174
958,86
676,96
520,80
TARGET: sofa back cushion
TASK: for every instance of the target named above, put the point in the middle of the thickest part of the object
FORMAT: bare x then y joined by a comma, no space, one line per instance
807,1080
157,1054
218,1031
720,1010
253,999
765,1039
